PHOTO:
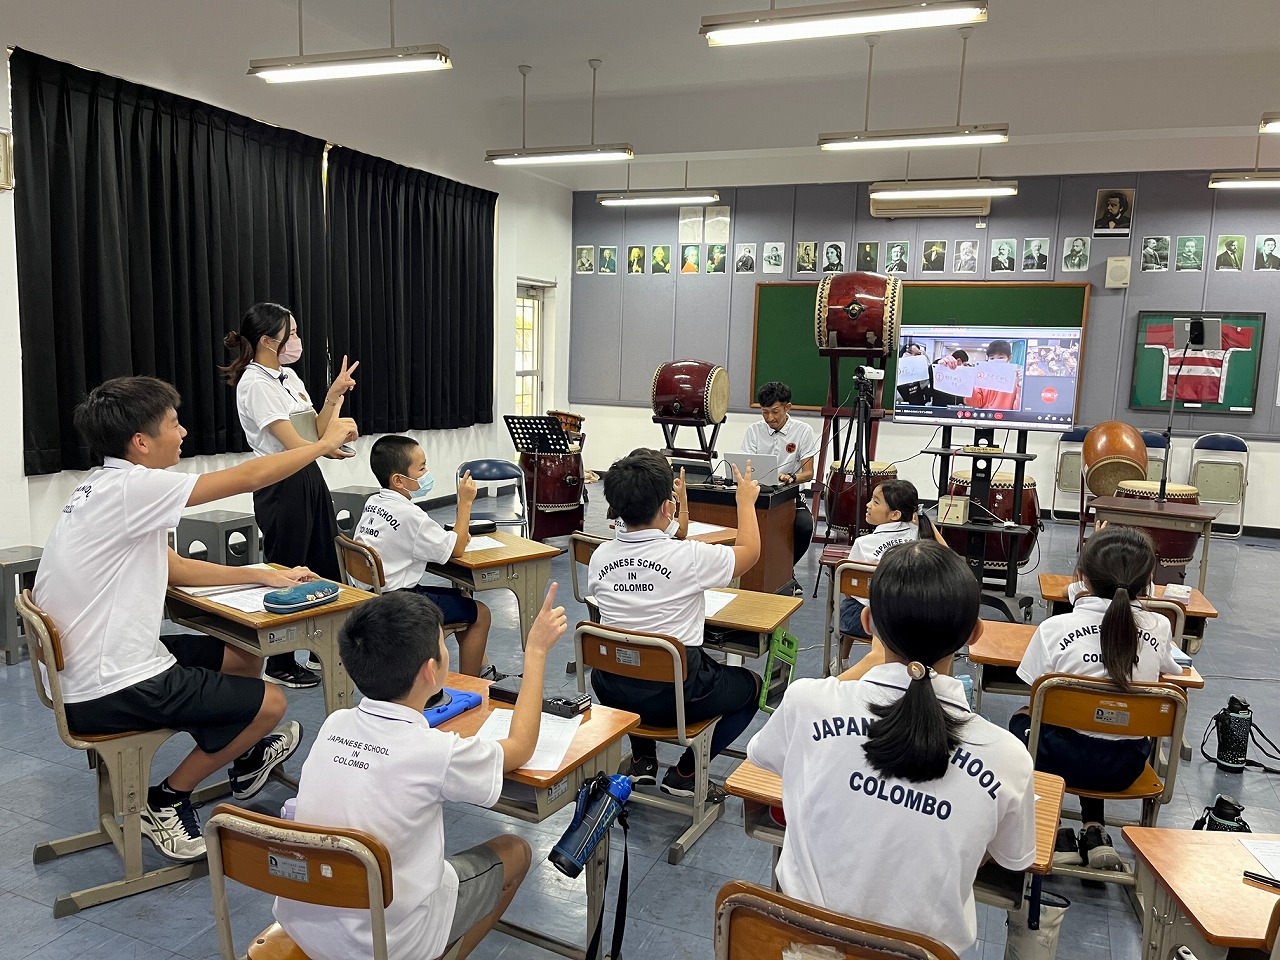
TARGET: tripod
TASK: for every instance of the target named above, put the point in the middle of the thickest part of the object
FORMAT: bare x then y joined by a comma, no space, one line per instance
860,427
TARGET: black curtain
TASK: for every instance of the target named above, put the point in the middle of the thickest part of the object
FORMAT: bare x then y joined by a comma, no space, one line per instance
146,224
411,257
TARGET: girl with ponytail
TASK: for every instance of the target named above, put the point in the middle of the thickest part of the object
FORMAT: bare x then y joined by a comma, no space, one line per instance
1107,636
891,786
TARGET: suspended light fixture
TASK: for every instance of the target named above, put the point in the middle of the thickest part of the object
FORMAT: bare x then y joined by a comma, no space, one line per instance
838,20
351,63
1255,179
968,135
585,153
675,196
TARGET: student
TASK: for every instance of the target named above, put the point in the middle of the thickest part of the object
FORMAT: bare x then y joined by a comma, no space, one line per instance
891,512
295,515
645,580
1108,636
678,528
795,445
378,767
930,789
407,539
102,580
985,398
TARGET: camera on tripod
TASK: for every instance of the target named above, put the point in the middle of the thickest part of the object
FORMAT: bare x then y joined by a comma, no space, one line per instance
868,373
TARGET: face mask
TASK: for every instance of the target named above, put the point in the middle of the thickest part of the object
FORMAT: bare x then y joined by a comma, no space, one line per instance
291,352
672,527
425,483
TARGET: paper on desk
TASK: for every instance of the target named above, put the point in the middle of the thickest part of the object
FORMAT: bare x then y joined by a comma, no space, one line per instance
213,591
713,601
554,736
697,528
246,601
483,543
1267,853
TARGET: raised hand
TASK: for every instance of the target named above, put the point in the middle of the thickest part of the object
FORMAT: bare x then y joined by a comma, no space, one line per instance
549,625
748,486
343,382
466,489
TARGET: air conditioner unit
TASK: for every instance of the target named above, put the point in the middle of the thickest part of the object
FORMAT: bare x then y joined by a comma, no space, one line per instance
956,207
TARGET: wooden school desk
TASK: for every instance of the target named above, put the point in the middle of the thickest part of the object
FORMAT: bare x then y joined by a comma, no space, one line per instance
1053,589
519,565
747,622
1129,512
1193,892
760,790
725,536
533,795
266,634
775,514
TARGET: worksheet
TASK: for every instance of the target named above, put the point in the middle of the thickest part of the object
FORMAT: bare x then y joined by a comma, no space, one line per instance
1267,853
246,601
555,734
697,528
716,600
483,543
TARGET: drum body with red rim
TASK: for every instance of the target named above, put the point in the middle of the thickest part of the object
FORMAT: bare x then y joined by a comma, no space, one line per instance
570,423
842,498
1002,506
858,312
1113,452
554,493
1174,548
691,391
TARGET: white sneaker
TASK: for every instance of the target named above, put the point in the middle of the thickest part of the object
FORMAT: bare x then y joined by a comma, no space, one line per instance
175,830
251,775
837,667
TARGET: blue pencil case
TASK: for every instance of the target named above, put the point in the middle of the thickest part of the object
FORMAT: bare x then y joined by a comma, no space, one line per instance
301,596
449,704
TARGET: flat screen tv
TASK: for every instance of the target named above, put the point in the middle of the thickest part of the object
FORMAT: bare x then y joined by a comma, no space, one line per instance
1006,376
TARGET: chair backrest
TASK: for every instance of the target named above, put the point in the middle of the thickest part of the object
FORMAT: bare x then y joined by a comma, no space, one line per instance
853,579
491,470
1226,442
630,653
1075,435
1174,611
581,547
329,866
361,565
754,923
44,644
1154,441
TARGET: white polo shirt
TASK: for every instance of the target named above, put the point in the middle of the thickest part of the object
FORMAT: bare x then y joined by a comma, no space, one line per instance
404,536
870,547
378,767
103,575
262,399
644,580
792,445
892,851
1072,643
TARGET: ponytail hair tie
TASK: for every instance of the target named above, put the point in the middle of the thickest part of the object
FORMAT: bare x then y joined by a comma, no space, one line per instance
917,670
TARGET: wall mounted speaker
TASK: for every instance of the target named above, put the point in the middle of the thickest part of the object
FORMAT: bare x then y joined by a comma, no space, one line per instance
1118,269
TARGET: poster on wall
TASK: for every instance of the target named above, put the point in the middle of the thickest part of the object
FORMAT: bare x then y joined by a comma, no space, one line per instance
1208,381
869,257
635,259
690,225
661,262
586,262
745,260
717,225
1113,213
774,253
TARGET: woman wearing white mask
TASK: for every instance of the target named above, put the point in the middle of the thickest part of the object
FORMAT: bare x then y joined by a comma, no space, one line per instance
295,515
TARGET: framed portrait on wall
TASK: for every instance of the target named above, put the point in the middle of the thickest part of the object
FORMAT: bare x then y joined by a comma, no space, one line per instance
1222,379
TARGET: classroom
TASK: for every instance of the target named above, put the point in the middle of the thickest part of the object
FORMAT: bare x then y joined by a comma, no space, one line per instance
154,188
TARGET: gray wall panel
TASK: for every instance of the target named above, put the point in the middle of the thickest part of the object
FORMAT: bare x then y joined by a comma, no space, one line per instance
595,349
764,215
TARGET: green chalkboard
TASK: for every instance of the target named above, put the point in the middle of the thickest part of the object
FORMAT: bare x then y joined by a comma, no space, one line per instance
785,347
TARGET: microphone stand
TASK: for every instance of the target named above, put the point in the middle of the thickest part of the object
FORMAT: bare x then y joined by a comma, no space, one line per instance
1168,430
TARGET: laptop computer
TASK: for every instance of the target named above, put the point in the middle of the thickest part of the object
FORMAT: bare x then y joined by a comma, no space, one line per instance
764,466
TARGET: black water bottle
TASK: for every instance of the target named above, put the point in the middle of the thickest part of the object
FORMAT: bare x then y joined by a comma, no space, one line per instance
1233,725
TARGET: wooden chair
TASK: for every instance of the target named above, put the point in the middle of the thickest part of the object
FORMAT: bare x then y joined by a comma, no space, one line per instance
754,923
653,656
581,547
329,866
362,567
122,764
1172,610
1155,710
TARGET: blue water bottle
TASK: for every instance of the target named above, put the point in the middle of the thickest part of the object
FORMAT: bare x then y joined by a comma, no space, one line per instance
599,803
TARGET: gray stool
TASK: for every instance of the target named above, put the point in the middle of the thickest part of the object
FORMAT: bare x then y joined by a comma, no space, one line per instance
348,504
214,529
18,568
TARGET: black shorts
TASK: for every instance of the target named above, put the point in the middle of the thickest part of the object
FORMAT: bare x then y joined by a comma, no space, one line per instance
711,690
454,607
193,696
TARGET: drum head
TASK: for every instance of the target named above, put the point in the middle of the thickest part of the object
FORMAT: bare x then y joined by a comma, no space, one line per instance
1001,479
718,395
1150,489
1105,476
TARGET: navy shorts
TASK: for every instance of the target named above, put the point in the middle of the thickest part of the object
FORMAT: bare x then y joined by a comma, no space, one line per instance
193,696
453,604
1085,762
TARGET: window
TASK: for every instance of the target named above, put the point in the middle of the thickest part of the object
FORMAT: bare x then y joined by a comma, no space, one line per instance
528,350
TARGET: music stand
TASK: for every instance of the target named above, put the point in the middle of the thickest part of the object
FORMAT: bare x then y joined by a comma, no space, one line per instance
537,434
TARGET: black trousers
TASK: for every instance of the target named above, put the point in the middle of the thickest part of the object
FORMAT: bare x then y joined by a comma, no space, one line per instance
802,531
299,526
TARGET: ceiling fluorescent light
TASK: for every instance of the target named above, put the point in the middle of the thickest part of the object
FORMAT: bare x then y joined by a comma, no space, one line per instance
1270,123
1255,180
351,63
587,153
942,189
976,134
657,198
838,20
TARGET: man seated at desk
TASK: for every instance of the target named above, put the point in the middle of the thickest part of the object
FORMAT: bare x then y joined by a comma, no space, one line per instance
794,444
646,580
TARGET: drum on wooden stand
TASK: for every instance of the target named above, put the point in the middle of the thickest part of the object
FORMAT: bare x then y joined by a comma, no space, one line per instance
691,391
858,312
1002,508
1174,548
555,493
842,498
1113,452
570,423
